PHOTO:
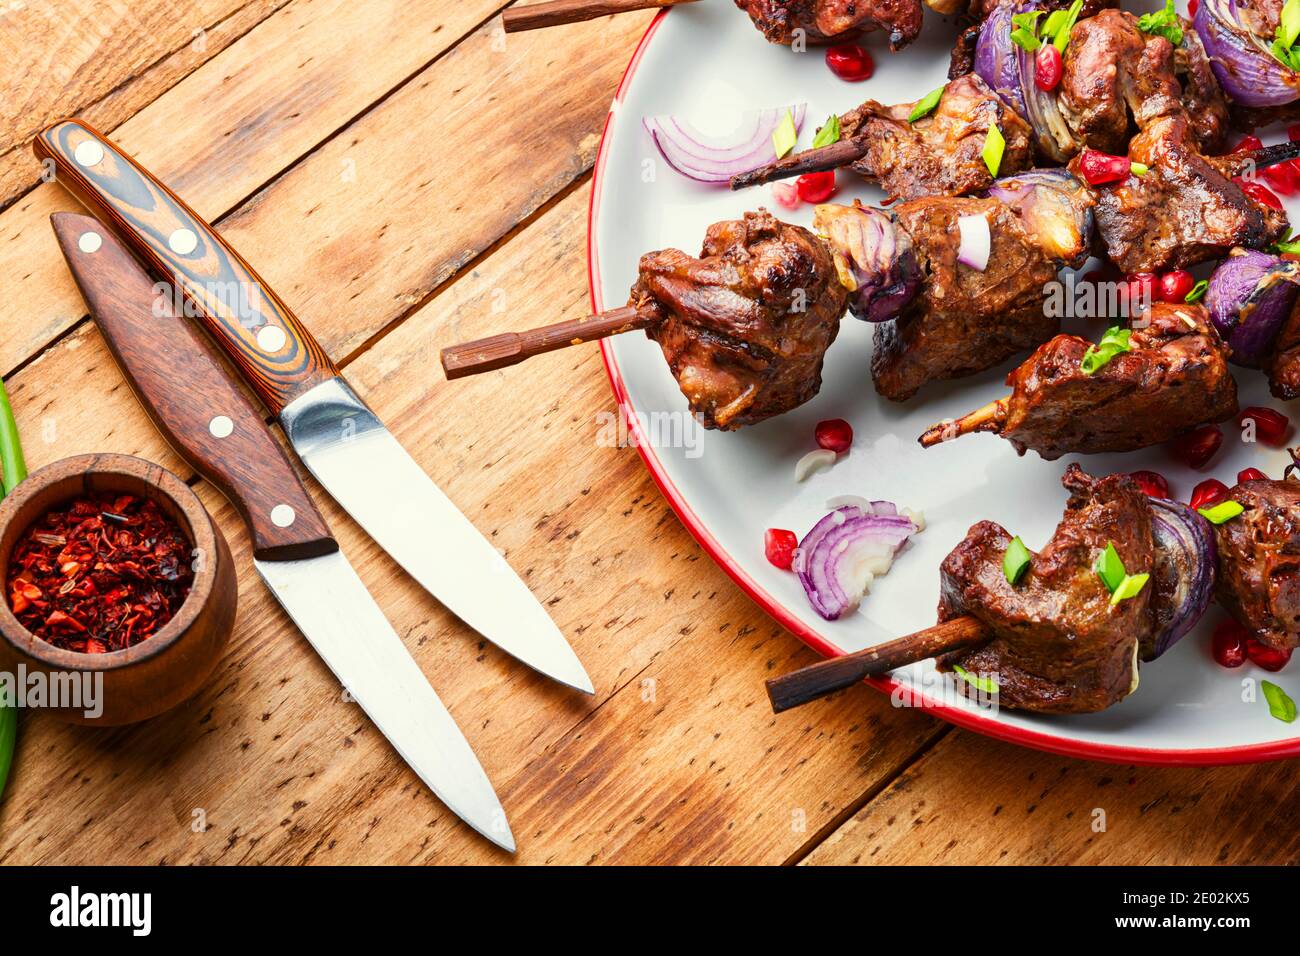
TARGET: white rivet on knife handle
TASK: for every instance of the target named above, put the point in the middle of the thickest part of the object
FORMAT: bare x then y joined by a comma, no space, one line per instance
221,426
89,242
271,338
282,516
183,242
88,153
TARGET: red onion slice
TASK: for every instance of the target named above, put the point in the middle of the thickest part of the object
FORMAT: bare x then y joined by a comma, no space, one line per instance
1250,295
1186,559
1246,69
712,159
838,558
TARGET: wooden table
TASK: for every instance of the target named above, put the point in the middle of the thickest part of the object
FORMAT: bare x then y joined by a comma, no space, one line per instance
406,177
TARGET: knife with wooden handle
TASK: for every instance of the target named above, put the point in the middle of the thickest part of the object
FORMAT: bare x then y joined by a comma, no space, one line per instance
340,440
194,402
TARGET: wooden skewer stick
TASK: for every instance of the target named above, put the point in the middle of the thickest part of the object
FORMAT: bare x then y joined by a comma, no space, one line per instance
837,673
985,419
834,156
510,348
536,16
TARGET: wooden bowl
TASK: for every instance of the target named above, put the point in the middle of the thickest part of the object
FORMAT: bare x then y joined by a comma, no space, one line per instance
158,673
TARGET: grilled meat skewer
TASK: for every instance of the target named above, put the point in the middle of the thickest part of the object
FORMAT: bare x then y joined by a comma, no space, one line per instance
1055,640
939,154
744,326
1174,378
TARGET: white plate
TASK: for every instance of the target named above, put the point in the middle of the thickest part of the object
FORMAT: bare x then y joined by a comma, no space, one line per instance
706,63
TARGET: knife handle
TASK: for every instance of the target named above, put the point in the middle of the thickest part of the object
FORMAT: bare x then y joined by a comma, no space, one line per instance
189,395
277,356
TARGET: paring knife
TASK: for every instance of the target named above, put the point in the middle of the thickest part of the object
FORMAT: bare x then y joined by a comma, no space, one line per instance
208,421
340,440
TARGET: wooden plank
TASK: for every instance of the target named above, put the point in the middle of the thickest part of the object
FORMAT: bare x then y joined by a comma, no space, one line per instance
104,64
282,770
974,800
233,124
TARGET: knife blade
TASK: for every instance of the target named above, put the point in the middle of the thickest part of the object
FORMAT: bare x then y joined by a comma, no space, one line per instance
202,413
340,440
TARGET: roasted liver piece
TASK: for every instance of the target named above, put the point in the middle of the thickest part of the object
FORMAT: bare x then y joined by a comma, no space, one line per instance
1175,379
1259,561
834,21
1058,645
745,326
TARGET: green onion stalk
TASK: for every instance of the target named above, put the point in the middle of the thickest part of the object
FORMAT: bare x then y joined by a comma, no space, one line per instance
13,469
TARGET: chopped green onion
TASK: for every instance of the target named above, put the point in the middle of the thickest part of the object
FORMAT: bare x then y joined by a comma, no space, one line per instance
1139,169
1222,512
829,133
1288,28
1198,291
1025,28
1052,25
1025,39
1280,704
1114,342
926,104
1289,245
1016,560
1131,586
1062,33
995,145
1164,23
785,135
1110,568
1286,55
986,684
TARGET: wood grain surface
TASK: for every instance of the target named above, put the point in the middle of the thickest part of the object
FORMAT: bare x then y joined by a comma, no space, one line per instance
407,177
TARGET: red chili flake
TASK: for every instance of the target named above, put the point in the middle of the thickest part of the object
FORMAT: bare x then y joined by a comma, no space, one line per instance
99,574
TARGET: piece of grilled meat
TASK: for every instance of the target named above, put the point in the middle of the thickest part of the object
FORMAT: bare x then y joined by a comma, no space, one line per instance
1059,645
1174,379
963,321
745,326
1259,561
1284,365
834,21
1187,208
940,154
1116,77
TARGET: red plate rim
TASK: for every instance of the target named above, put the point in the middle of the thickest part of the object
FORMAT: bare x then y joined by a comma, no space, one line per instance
1251,753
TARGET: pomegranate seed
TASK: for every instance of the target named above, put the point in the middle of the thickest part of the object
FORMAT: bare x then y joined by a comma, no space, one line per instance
786,195
1293,132
779,545
1258,192
1250,474
1269,658
1141,291
1229,644
1248,144
1209,493
816,187
1196,448
1175,285
834,434
850,62
1099,168
1192,7
1271,426
1047,67
1281,178
1152,483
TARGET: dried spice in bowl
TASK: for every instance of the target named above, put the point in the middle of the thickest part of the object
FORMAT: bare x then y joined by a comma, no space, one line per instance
100,573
